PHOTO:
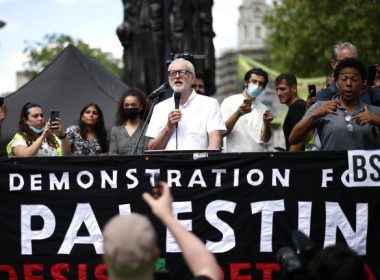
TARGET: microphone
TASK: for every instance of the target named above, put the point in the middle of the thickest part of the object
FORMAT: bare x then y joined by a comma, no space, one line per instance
157,92
177,97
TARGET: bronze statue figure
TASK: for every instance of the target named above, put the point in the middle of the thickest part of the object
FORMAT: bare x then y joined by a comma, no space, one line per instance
153,29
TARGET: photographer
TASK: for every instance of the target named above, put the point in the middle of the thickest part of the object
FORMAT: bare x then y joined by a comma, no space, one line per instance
337,262
130,242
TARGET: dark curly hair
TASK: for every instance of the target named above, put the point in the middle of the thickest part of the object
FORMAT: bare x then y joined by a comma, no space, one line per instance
256,71
120,120
351,63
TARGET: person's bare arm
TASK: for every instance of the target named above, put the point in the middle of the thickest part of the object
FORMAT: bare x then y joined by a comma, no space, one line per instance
160,142
302,128
266,132
65,145
241,110
367,117
29,151
214,140
198,258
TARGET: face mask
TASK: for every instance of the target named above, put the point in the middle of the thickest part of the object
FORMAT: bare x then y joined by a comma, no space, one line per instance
130,113
254,90
36,130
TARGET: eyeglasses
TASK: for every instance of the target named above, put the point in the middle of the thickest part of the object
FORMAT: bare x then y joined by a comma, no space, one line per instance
182,73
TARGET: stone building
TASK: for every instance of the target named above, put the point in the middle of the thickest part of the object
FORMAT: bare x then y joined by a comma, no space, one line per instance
251,42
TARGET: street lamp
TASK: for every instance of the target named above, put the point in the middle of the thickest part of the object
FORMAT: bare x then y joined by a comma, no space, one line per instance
2,23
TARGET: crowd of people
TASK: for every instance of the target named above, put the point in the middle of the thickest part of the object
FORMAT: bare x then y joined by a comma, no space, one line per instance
343,116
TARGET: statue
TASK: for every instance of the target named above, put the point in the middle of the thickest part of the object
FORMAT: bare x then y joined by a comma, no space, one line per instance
153,29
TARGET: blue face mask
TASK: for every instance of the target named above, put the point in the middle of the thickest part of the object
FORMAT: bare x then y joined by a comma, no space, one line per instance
254,90
36,130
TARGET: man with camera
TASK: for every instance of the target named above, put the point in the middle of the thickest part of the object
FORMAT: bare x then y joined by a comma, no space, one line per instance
130,248
187,120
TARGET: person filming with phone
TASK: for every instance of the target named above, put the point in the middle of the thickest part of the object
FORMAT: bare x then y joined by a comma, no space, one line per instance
36,137
247,119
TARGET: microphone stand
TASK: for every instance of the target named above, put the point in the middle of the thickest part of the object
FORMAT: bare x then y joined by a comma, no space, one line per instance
155,100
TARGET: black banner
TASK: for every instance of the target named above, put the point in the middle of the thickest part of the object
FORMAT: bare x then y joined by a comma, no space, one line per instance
244,206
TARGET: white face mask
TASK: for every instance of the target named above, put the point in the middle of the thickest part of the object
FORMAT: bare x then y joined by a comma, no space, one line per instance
254,90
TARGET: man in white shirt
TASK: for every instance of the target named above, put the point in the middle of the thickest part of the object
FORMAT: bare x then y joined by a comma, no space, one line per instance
196,124
247,120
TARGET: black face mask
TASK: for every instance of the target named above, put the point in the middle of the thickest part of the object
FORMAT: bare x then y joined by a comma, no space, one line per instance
130,113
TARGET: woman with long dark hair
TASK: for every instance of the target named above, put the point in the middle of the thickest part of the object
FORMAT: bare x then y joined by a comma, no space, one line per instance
35,137
129,123
89,136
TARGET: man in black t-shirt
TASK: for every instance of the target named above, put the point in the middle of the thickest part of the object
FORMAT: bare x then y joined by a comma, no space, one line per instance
286,87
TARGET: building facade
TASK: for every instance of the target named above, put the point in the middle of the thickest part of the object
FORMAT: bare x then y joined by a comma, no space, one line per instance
251,42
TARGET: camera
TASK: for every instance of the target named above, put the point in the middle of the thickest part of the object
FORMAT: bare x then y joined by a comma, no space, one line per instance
295,266
289,260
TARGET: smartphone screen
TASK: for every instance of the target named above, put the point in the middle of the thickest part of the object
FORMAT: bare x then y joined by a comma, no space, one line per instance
312,90
371,75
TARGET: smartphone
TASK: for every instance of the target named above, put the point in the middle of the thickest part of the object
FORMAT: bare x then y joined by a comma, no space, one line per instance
248,101
312,90
371,74
152,184
1,101
54,115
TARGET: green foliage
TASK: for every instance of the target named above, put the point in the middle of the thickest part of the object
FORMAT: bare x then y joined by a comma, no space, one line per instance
41,54
304,32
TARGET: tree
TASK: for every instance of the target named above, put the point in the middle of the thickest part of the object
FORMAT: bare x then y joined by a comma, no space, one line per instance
304,32
41,54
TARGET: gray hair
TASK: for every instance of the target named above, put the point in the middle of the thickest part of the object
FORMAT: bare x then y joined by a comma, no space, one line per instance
189,65
338,47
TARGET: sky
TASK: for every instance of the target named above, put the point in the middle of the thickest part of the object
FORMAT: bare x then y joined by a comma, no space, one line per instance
92,21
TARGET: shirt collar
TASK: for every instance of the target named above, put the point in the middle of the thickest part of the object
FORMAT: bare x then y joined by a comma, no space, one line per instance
358,109
191,97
